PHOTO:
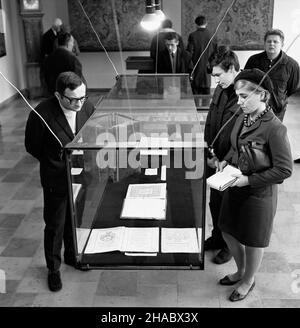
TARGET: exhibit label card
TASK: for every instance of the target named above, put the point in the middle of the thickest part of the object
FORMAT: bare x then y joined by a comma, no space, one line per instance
179,240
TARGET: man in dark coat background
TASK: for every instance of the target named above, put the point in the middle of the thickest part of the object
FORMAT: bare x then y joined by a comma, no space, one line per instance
197,42
65,113
173,59
285,75
158,40
49,37
61,60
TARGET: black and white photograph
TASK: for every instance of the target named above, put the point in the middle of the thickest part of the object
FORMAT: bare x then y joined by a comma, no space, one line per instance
149,160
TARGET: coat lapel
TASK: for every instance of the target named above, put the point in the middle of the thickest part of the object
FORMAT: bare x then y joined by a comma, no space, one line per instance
61,120
268,116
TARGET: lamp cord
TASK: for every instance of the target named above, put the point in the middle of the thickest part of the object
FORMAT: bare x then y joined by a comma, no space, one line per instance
98,38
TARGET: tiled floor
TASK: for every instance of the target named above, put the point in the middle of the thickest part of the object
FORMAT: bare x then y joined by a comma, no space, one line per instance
22,258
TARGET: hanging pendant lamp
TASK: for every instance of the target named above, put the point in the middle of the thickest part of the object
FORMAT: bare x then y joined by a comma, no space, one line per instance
150,21
161,16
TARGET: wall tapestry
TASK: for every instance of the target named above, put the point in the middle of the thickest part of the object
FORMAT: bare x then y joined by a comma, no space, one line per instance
243,27
2,35
128,15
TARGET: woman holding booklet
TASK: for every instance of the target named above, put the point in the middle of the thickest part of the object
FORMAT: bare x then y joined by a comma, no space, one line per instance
249,205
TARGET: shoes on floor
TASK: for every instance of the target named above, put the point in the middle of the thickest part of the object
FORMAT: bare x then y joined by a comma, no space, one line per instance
223,256
211,244
54,281
227,282
297,161
236,296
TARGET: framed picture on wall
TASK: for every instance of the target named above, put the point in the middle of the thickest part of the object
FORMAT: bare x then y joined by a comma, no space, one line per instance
2,32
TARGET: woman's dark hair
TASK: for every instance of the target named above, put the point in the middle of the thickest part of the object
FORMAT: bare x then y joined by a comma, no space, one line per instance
67,80
223,57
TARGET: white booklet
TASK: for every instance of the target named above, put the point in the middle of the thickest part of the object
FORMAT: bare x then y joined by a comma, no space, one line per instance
123,239
145,201
223,180
179,240
147,190
144,208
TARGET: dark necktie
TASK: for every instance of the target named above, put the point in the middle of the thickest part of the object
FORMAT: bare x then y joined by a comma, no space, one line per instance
173,62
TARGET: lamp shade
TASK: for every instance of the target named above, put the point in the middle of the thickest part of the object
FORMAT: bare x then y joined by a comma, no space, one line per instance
159,13
150,21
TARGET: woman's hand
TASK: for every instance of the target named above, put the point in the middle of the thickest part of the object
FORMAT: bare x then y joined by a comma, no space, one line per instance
211,162
220,165
242,180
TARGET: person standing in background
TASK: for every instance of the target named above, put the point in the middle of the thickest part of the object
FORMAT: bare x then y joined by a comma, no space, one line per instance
49,37
67,29
197,42
173,59
158,41
61,60
284,71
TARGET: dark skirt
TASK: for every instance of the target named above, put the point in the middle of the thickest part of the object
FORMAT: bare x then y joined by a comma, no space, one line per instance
247,214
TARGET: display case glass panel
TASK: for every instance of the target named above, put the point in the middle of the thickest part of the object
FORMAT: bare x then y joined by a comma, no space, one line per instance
136,177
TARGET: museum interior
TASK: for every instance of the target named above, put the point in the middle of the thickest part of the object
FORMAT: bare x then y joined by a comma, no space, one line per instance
119,89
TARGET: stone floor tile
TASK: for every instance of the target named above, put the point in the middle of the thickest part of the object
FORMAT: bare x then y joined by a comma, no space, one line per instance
114,283
21,247
10,221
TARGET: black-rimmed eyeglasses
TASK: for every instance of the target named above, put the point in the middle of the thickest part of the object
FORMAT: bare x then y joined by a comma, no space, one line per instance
73,101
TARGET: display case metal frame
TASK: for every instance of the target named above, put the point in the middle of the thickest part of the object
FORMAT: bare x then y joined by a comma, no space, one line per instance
139,105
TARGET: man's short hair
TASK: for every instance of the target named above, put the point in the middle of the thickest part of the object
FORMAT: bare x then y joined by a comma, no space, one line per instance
171,36
63,38
200,20
225,58
274,32
167,23
67,80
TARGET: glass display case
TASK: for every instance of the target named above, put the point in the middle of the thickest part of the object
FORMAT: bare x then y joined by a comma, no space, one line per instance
136,177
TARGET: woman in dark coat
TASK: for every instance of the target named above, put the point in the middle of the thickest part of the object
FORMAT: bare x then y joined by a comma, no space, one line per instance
249,206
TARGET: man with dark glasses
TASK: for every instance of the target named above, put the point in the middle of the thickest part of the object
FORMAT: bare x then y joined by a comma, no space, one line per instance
65,113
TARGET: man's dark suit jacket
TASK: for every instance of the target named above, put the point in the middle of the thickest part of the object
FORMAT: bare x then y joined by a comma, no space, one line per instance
197,42
61,60
159,40
183,62
40,143
48,43
285,77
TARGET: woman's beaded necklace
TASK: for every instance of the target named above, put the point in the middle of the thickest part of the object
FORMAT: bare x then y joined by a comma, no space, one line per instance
247,120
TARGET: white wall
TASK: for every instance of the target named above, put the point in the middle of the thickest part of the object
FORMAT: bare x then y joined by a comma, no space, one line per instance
287,18
12,65
53,9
